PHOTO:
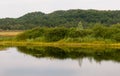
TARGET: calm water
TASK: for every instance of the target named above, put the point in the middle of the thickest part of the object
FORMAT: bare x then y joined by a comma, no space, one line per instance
50,61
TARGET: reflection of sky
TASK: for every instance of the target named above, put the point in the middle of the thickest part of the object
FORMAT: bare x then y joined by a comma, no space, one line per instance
13,63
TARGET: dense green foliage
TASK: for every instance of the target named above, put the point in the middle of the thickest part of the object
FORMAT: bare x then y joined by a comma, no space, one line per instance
55,34
32,34
97,33
73,53
69,18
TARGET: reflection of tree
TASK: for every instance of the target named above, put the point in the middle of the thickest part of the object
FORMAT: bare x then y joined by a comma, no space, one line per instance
90,59
80,60
74,53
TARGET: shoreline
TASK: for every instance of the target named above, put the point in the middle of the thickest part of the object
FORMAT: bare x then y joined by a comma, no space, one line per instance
61,44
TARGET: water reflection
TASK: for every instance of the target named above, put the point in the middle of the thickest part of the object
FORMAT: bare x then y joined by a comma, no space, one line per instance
73,53
54,61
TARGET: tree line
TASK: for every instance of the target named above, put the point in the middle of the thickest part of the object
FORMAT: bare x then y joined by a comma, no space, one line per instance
69,18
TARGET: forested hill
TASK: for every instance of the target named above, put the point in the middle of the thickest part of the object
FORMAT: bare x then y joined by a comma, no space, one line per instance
69,18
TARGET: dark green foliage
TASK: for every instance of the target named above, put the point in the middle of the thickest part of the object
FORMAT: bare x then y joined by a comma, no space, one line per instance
79,33
31,34
55,34
49,34
97,33
22,36
69,18
116,37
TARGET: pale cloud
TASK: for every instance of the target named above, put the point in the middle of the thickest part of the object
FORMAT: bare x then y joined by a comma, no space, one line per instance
16,8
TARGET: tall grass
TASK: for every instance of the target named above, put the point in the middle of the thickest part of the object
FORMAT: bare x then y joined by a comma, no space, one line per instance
10,33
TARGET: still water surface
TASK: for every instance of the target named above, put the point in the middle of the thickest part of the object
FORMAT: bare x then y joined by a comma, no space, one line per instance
47,61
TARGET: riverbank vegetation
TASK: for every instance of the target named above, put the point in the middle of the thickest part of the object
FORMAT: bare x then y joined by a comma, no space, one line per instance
97,34
9,35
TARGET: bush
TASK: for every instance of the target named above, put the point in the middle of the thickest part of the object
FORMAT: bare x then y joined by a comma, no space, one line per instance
55,34
31,34
99,31
79,33
116,37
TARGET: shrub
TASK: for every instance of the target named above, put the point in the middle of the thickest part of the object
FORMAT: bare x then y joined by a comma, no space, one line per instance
116,37
79,33
99,31
55,34
31,34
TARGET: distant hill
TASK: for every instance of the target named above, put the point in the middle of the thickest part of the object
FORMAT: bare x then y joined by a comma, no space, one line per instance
69,18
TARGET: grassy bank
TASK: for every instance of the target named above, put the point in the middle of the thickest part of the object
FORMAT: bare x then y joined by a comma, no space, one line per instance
98,33
59,44
9,35
96,37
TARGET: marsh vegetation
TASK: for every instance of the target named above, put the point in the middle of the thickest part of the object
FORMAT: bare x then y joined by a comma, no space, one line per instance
79,34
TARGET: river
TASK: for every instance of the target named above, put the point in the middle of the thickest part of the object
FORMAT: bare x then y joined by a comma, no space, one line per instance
54,61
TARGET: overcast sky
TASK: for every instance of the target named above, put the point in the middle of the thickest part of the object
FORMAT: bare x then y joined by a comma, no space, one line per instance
17,8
